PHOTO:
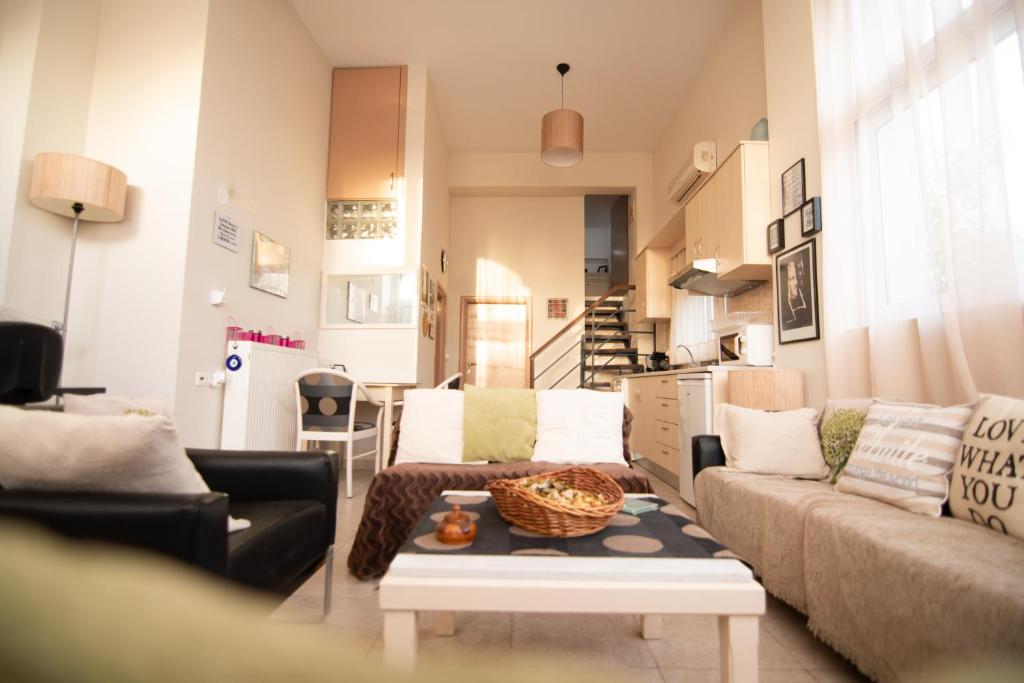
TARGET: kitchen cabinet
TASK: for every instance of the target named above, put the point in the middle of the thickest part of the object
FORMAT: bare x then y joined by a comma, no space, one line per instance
728,216
660,436
653,296
366,154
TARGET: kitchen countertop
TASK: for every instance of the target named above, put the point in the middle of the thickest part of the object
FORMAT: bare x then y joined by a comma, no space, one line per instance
706,368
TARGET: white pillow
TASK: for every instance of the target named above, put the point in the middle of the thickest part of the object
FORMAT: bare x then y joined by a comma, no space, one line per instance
105,404
579,427
431,427
47,450
784,443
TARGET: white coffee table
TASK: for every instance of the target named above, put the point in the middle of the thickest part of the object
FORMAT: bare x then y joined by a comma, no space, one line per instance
651,587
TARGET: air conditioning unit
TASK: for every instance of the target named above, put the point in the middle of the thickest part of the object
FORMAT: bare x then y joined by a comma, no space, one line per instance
686,182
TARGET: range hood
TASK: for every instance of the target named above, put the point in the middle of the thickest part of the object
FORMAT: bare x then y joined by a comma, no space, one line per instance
701,276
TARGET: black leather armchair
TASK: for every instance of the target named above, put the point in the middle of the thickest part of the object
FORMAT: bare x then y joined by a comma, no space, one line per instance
290,498
706,452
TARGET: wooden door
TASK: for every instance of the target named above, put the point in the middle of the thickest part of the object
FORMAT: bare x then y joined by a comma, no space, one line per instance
366,150
440,336
495,341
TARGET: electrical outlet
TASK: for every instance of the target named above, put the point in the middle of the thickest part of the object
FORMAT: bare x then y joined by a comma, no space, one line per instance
202,379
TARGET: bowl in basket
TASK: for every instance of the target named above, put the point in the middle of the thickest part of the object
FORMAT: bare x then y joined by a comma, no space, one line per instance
519,505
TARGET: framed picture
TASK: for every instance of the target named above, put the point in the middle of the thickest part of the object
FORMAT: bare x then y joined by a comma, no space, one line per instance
794,188
810,217
271,262
357,300
776,236
796,272
431,293
424,284
558,308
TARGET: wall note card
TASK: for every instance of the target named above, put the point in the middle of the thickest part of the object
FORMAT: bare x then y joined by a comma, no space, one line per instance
225,231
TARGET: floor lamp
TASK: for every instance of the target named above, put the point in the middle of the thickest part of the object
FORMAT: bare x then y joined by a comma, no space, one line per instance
79,188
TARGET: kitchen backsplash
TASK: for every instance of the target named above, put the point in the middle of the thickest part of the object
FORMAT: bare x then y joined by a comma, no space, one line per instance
756,300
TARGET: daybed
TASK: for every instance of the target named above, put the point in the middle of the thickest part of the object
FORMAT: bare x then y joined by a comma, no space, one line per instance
894,591
400,494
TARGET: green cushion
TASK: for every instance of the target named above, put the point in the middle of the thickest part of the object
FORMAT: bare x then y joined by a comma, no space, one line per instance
499,425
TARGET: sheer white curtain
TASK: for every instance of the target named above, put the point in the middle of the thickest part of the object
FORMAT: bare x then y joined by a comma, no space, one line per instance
921,108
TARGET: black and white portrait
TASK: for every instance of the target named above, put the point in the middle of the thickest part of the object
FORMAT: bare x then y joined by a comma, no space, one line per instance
796,273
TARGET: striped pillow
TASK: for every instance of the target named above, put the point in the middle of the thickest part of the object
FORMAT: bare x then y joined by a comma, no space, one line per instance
905,454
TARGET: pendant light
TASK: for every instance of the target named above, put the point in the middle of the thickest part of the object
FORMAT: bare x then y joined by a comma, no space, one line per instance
561,132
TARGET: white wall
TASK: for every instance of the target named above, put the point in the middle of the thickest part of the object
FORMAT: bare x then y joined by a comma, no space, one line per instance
436,228
793,127
516,246
262,134
47,57
722,103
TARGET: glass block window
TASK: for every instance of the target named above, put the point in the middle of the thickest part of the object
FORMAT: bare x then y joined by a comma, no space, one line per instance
361,219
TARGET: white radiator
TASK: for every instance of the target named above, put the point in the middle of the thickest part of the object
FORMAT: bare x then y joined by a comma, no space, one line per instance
259,397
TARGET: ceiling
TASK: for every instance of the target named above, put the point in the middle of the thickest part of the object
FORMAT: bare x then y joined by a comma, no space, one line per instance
492,64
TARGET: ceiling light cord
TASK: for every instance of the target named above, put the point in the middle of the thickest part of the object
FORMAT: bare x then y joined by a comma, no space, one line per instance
562,69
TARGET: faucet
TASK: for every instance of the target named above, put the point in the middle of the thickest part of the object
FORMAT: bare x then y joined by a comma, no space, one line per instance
693,361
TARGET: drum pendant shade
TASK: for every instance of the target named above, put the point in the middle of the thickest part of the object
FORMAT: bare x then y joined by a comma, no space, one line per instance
561,138
59,181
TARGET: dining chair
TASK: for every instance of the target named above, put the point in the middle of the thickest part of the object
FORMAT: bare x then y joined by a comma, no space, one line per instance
325,401
453,382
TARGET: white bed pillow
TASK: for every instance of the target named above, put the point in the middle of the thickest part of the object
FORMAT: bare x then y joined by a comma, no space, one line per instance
106,404
784,443
431,427
47,450
579,427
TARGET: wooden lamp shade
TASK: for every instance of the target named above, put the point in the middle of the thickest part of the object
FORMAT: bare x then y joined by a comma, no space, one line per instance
561,138
59,181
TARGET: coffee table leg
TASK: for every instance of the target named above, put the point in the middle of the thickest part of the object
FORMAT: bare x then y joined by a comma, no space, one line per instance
444,623
400,639
737,642
650,624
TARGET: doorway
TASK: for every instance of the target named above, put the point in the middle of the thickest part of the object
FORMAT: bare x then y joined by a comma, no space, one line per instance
606,238
495,341
441,336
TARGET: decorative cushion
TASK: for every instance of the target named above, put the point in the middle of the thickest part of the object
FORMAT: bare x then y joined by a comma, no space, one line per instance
783,443
839,432
987,474
500,425
105,404
579,427
57,451
904,455
431,427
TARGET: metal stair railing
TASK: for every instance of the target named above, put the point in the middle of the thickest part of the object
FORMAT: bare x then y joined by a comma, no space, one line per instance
578,341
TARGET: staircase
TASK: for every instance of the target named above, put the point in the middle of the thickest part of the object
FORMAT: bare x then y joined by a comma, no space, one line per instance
600,337
606,349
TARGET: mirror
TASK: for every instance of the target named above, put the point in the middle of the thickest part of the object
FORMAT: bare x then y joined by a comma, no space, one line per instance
370,299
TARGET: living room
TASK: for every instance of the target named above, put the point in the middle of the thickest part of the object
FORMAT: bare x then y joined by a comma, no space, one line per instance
865,155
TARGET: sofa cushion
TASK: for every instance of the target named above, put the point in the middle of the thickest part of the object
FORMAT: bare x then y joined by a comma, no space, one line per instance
500,425
285,539
987,473
751,440
897,592
579,427
904,455
760,518
431,427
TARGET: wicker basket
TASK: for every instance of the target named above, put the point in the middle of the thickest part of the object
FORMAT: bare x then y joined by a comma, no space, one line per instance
533,512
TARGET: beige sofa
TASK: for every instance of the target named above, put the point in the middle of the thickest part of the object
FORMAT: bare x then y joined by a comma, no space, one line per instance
893,591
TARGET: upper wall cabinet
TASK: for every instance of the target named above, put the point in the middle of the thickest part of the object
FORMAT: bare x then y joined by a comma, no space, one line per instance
367,148
653,296
728,217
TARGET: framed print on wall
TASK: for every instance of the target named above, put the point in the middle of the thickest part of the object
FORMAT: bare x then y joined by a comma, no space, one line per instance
776,236
810,217
796,272
271,263
794,188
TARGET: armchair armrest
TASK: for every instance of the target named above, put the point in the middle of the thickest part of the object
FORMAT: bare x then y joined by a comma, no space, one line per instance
707,452
252,476
190,527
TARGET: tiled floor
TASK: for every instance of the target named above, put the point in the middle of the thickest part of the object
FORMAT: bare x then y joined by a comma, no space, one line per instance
610,643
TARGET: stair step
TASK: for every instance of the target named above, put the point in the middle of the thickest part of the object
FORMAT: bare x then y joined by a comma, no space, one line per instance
598,385
623,369
625,351
607,324
624,338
